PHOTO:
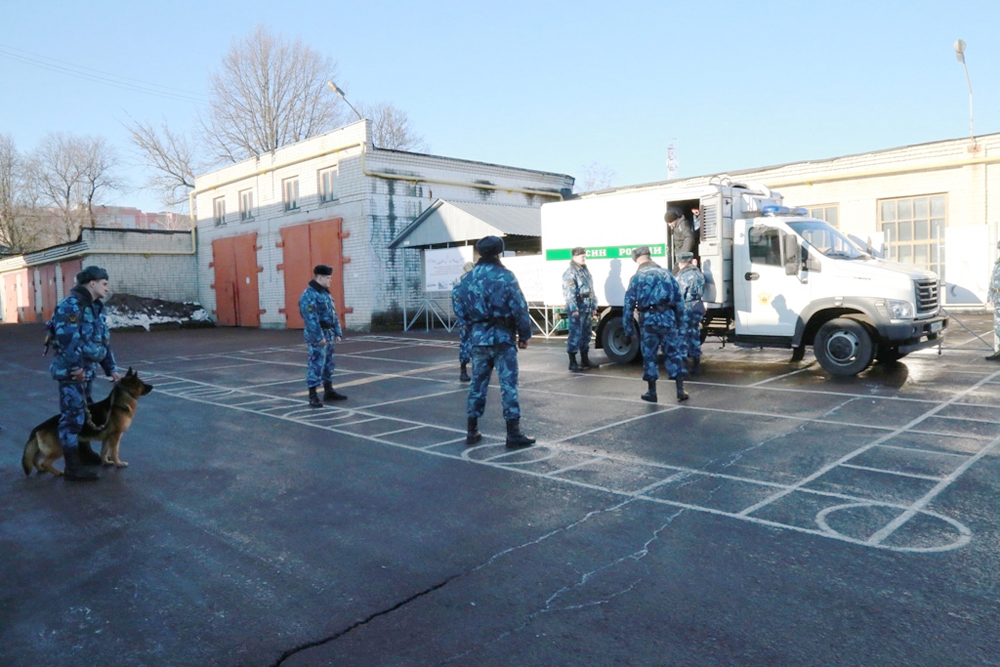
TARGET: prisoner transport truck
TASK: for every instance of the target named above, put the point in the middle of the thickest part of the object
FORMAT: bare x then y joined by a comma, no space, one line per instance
774,277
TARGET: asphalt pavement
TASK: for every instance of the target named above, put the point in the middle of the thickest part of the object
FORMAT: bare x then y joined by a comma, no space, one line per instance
780,516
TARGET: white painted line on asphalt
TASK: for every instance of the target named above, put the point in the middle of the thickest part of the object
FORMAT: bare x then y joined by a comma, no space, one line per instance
847,457
923,451
782,377
399,430
894,473
916,507
446,442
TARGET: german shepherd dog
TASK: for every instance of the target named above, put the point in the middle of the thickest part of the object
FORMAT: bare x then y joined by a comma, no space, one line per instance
107,422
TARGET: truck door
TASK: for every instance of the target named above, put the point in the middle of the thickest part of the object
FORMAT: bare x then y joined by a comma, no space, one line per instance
768,301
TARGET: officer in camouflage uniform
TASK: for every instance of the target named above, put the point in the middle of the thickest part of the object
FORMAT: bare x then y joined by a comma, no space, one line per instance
578,291
82,342
491,302
691,281
661,318
322,329
464,330
993,296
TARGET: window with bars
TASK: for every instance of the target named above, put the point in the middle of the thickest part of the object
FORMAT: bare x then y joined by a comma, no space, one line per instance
328,184
914,230
246,205
290,193
219,210
829,213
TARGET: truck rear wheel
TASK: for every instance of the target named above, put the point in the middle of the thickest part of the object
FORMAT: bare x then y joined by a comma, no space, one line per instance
613,342
844,347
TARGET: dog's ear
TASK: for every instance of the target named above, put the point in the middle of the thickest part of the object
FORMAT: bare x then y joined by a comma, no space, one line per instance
130,371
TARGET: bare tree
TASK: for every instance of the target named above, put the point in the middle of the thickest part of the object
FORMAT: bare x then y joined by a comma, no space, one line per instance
71,172
21,228
58,167
171,158
391,128
597,176
270,92
98,175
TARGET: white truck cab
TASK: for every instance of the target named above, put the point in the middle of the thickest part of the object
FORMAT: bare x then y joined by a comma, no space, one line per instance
774,277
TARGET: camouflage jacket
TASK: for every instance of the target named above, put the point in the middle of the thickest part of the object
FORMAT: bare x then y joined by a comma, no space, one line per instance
491,302
578,289
993,293
654,292
319,314
692,285
82,338
455,295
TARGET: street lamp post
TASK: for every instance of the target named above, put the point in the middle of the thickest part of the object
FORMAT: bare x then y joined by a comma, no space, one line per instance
960,55
332,86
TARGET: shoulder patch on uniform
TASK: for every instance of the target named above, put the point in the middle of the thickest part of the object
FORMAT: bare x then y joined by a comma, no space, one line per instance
72,318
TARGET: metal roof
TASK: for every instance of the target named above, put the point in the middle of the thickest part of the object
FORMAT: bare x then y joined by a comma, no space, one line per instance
459,221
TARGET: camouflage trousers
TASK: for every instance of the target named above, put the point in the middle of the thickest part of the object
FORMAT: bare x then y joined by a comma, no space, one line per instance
73,400
996,327
484,358
653,339
464,344
321,365
579,332
692,335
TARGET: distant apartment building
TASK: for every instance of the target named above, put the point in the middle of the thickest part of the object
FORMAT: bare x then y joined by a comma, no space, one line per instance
124,217
336,199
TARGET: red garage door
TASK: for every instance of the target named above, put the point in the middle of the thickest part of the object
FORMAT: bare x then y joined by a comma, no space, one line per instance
305,246
236,293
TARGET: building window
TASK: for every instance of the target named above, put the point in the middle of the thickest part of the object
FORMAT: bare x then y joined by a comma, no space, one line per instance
328,184
290,193
246,205
830,213
914,230
219,210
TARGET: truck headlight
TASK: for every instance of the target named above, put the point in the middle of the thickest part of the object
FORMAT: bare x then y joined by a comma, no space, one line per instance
900,310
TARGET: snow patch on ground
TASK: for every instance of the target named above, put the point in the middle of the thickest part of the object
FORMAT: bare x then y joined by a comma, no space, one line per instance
127,311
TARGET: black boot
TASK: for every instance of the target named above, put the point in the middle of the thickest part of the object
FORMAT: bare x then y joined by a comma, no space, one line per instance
473,435
88,456
516,439
74,470
314,401
993,357
585,359
573,366
681,394
651,394
330,394
696,366
464,377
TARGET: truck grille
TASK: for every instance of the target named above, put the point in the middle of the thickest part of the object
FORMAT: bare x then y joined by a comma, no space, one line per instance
926,292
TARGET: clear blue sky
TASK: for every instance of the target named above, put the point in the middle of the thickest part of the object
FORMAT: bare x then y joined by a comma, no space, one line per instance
553,86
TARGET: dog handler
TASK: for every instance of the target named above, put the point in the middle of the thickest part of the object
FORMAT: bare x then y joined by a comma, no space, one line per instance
322,328
82,343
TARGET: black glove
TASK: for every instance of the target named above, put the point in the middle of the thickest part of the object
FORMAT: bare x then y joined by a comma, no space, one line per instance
627,339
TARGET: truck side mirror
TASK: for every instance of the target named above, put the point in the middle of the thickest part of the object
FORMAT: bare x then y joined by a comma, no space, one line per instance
793,255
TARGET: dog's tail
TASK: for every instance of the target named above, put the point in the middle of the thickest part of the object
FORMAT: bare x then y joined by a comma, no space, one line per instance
30,453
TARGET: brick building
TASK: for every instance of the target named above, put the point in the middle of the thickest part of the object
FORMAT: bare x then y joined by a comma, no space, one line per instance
336,199
933,205
147,263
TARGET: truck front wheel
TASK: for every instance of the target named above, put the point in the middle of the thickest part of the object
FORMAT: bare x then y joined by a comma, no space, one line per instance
844,347
613,342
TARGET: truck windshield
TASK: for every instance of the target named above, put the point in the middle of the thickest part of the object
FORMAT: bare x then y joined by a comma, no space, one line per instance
826,239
